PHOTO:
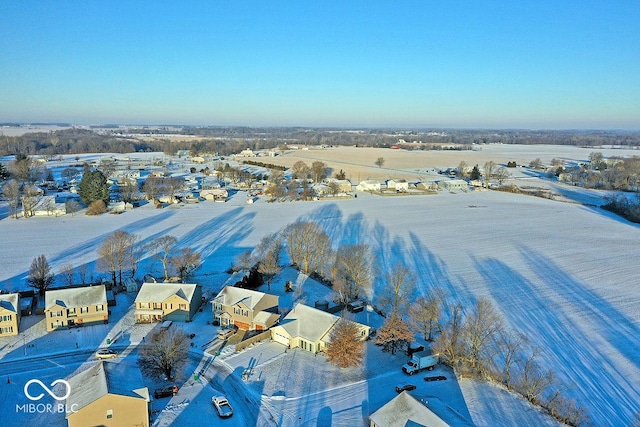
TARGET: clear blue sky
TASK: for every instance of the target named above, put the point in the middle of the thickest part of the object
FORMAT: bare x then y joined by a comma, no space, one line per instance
488,64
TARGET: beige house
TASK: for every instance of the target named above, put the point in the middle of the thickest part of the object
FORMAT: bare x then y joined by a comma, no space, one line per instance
453,184
368,185
157,302
246,309
69,307
9,314
107,394
405,410
308,328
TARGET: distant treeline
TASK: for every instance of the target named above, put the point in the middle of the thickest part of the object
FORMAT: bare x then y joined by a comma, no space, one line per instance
227,140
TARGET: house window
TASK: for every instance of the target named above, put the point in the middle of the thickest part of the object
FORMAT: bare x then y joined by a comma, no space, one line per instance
109,413
7,329
157,305
84,310
217,307
6,318
100,307
236,310
245,313
55,313
183,306
143,305
71,311
168,306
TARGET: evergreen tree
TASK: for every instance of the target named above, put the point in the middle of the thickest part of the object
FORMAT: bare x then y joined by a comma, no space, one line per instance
94,187
475,173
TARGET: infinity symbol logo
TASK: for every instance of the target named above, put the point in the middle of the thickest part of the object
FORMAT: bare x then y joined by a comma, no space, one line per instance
47,389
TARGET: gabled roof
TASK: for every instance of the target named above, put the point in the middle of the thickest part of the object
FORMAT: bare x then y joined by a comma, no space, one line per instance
101,379
308,322
405,410
9,302
158,292
254,300
76,297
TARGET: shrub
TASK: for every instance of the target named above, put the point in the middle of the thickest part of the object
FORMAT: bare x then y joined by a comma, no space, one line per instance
97,207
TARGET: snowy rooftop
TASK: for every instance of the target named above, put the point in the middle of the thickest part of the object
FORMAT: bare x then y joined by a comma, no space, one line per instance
308,322
76,297
404,410
156,292
9,302
101,379
254,300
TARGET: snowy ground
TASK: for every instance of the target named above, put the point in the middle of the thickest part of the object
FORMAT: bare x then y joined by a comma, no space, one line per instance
563,274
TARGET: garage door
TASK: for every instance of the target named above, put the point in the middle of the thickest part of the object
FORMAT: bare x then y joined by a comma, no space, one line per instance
281,339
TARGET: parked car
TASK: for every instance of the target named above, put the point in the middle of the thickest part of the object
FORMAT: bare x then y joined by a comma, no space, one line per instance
436,378
106,353
356,306
171,390
405,387
224,334
222,406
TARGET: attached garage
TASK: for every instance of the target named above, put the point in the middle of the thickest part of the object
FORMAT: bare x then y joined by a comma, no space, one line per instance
279,338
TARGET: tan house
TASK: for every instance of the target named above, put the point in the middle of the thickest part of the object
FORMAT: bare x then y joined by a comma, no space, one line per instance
157,302
308,328
107,394
405,410
246,309
65,308
9,314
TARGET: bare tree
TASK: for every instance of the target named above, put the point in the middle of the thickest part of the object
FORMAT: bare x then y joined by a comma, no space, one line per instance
300,170
29,200
379,162
481,327
345,348
502,174
11,191
489,170
164,354
533,381
117,255
353,266
399,284
67,272
186,262
424,315
269,264
510,344
40,275
161,249
536,163
462,166
394,334
449,344
244,261
318,171
152,187
96,207
307,246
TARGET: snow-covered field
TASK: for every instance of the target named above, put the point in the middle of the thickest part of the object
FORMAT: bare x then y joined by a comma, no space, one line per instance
564,274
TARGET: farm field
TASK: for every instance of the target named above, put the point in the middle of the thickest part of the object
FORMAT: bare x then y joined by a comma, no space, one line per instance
563,274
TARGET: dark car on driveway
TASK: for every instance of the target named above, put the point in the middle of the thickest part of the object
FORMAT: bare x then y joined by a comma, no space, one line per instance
171,390
405,387
436,378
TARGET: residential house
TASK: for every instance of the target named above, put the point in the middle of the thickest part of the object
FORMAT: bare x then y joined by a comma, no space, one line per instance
70,307
9,314
308,328
246,309
107,394
453,184
400,185
216,194
405,410
157,302
368,185
427,186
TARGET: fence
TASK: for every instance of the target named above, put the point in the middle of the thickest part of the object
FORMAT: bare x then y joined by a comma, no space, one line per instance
254,339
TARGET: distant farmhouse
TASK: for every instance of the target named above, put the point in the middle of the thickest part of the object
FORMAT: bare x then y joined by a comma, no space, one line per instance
246,309
65,308
157,302
9,314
